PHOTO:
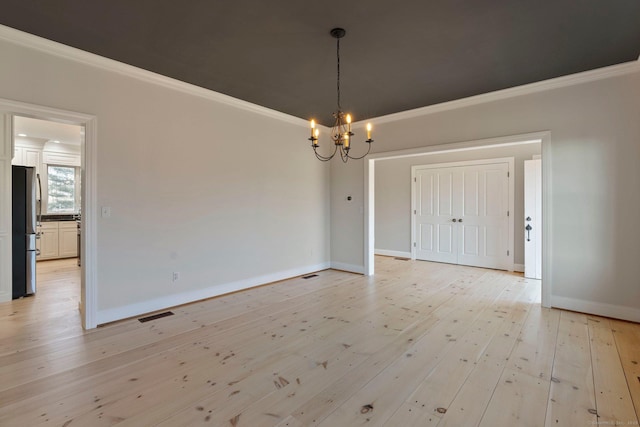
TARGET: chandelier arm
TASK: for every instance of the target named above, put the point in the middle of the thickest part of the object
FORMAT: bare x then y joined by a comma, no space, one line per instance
324,158
361,157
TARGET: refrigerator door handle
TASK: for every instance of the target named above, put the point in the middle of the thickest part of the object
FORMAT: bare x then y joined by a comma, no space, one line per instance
39,201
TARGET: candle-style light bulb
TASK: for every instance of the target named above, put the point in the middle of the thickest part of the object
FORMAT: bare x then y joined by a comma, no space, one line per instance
368,130
316,133
313,125
346,140
349,122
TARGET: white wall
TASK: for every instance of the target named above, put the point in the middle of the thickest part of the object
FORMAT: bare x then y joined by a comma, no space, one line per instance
595,150
393,194
226,196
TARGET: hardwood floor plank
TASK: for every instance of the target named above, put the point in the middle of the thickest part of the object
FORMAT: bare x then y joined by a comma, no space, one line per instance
572,396
410,415
516,401
613,399
627,337
524,385
535,349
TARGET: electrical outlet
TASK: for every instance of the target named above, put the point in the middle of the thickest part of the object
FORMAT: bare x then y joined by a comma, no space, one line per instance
176,276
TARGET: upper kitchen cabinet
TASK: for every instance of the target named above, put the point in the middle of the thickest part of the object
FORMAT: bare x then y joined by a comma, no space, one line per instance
28,154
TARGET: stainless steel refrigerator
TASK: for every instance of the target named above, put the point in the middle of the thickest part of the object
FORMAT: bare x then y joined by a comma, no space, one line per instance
24,231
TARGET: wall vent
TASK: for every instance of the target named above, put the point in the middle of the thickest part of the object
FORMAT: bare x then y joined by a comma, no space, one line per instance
309,276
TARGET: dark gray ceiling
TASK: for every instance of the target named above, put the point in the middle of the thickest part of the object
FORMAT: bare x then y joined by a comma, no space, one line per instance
397,55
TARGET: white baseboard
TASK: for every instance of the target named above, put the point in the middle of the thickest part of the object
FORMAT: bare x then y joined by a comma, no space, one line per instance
358,269
518,268
392,253
599,309
132,310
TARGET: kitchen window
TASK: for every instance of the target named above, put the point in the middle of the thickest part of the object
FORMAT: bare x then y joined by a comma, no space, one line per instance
62,189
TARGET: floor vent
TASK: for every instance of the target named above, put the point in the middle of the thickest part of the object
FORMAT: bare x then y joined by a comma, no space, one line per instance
310,276
155,316
402,259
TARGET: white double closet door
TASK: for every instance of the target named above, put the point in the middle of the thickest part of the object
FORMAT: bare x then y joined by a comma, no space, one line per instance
461,215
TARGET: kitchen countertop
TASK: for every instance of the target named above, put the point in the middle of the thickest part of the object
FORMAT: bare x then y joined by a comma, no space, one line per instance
59,217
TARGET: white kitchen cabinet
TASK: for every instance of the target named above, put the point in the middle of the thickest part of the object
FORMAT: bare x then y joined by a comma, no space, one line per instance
67,239
33,157
48,241
18,156
27,156
58,239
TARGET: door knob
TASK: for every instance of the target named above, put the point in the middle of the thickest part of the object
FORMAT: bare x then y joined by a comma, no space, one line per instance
460,220
454,220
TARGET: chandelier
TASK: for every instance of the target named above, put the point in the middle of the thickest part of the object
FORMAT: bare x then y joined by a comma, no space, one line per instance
341,131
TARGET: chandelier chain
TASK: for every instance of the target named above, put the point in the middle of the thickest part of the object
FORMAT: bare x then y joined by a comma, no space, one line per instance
338,80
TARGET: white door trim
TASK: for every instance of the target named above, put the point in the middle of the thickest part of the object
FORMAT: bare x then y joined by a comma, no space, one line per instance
544,138
510,161
533,215
88,303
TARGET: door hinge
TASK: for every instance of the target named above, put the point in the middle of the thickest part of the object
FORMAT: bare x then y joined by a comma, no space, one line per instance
415,179
415,211
414,244
508,174
507,213
507,253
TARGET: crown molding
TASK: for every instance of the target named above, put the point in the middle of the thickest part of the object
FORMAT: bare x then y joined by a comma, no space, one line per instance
555,83
60,50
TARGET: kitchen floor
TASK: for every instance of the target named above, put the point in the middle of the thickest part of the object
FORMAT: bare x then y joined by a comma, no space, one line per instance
54,304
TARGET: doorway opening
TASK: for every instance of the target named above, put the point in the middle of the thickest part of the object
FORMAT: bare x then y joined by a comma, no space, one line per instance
52,153
543,139
84,199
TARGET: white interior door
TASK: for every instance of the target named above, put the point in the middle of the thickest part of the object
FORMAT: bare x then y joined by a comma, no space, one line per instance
436,203
533,219
484,223
461,215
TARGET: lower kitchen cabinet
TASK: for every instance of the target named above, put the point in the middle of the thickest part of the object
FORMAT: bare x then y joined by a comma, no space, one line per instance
58,239
67,239
48,241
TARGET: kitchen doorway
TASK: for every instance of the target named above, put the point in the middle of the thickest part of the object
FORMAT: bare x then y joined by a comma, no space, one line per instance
88,190
53,151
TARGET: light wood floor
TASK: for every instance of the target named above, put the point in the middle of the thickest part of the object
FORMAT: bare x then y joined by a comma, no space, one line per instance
419,344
